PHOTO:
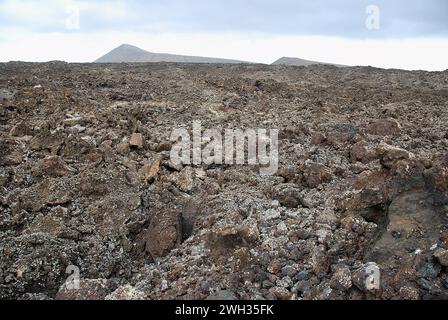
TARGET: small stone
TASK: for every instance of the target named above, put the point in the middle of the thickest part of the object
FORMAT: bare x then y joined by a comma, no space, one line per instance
150,171
184,180
20,130
442,256
271,214
76,129
319,260
73,121
409,293
323,236
172,165
445,282
390,155
122,148
430,270
281,293
200,173
284,282
222,295
233,236
315,174
126,293
6,94
289,271
302,275
105,146
136,140
163,146
342,278
287,196
275,266
275,204
267,284
282,229
427,163
318,139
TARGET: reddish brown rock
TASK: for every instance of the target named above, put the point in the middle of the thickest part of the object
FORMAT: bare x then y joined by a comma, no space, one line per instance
342,278
281,293
361,151
10,153
319,260
287,195
55,167
136,140
384,127
164,233
315,174
231,237
151,170
442,256
318,139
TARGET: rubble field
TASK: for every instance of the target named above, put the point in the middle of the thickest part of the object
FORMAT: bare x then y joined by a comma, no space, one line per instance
86,183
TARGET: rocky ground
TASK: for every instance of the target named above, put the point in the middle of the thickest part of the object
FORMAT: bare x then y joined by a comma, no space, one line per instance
85,180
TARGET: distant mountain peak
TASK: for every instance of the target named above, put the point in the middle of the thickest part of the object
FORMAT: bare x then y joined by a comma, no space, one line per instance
127,53
126,46
291,61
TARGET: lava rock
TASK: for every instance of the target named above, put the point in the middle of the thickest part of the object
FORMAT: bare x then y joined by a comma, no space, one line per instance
384,127
287,196
136,140
164,233
341,279
429,270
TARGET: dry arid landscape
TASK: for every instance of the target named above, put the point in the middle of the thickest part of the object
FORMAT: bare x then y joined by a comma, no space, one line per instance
86,181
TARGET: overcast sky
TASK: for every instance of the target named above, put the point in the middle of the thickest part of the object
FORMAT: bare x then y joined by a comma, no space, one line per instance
408,34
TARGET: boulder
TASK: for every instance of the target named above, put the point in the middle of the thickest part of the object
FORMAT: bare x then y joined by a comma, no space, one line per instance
287,195
315,174
391,156
384,127
342,278
164,233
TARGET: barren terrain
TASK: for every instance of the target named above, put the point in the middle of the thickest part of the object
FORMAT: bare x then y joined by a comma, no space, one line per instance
86,181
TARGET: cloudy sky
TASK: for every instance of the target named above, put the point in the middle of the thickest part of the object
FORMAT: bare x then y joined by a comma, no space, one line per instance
408,34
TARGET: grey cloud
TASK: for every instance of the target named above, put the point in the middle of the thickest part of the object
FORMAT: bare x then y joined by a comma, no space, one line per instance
346,18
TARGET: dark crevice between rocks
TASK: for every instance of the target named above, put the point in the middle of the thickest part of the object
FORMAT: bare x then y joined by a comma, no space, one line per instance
378,214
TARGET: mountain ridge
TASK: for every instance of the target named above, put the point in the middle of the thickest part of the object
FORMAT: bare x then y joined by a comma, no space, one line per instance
292,61
126,53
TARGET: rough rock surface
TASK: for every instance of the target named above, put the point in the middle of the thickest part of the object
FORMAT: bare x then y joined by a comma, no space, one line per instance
86,181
